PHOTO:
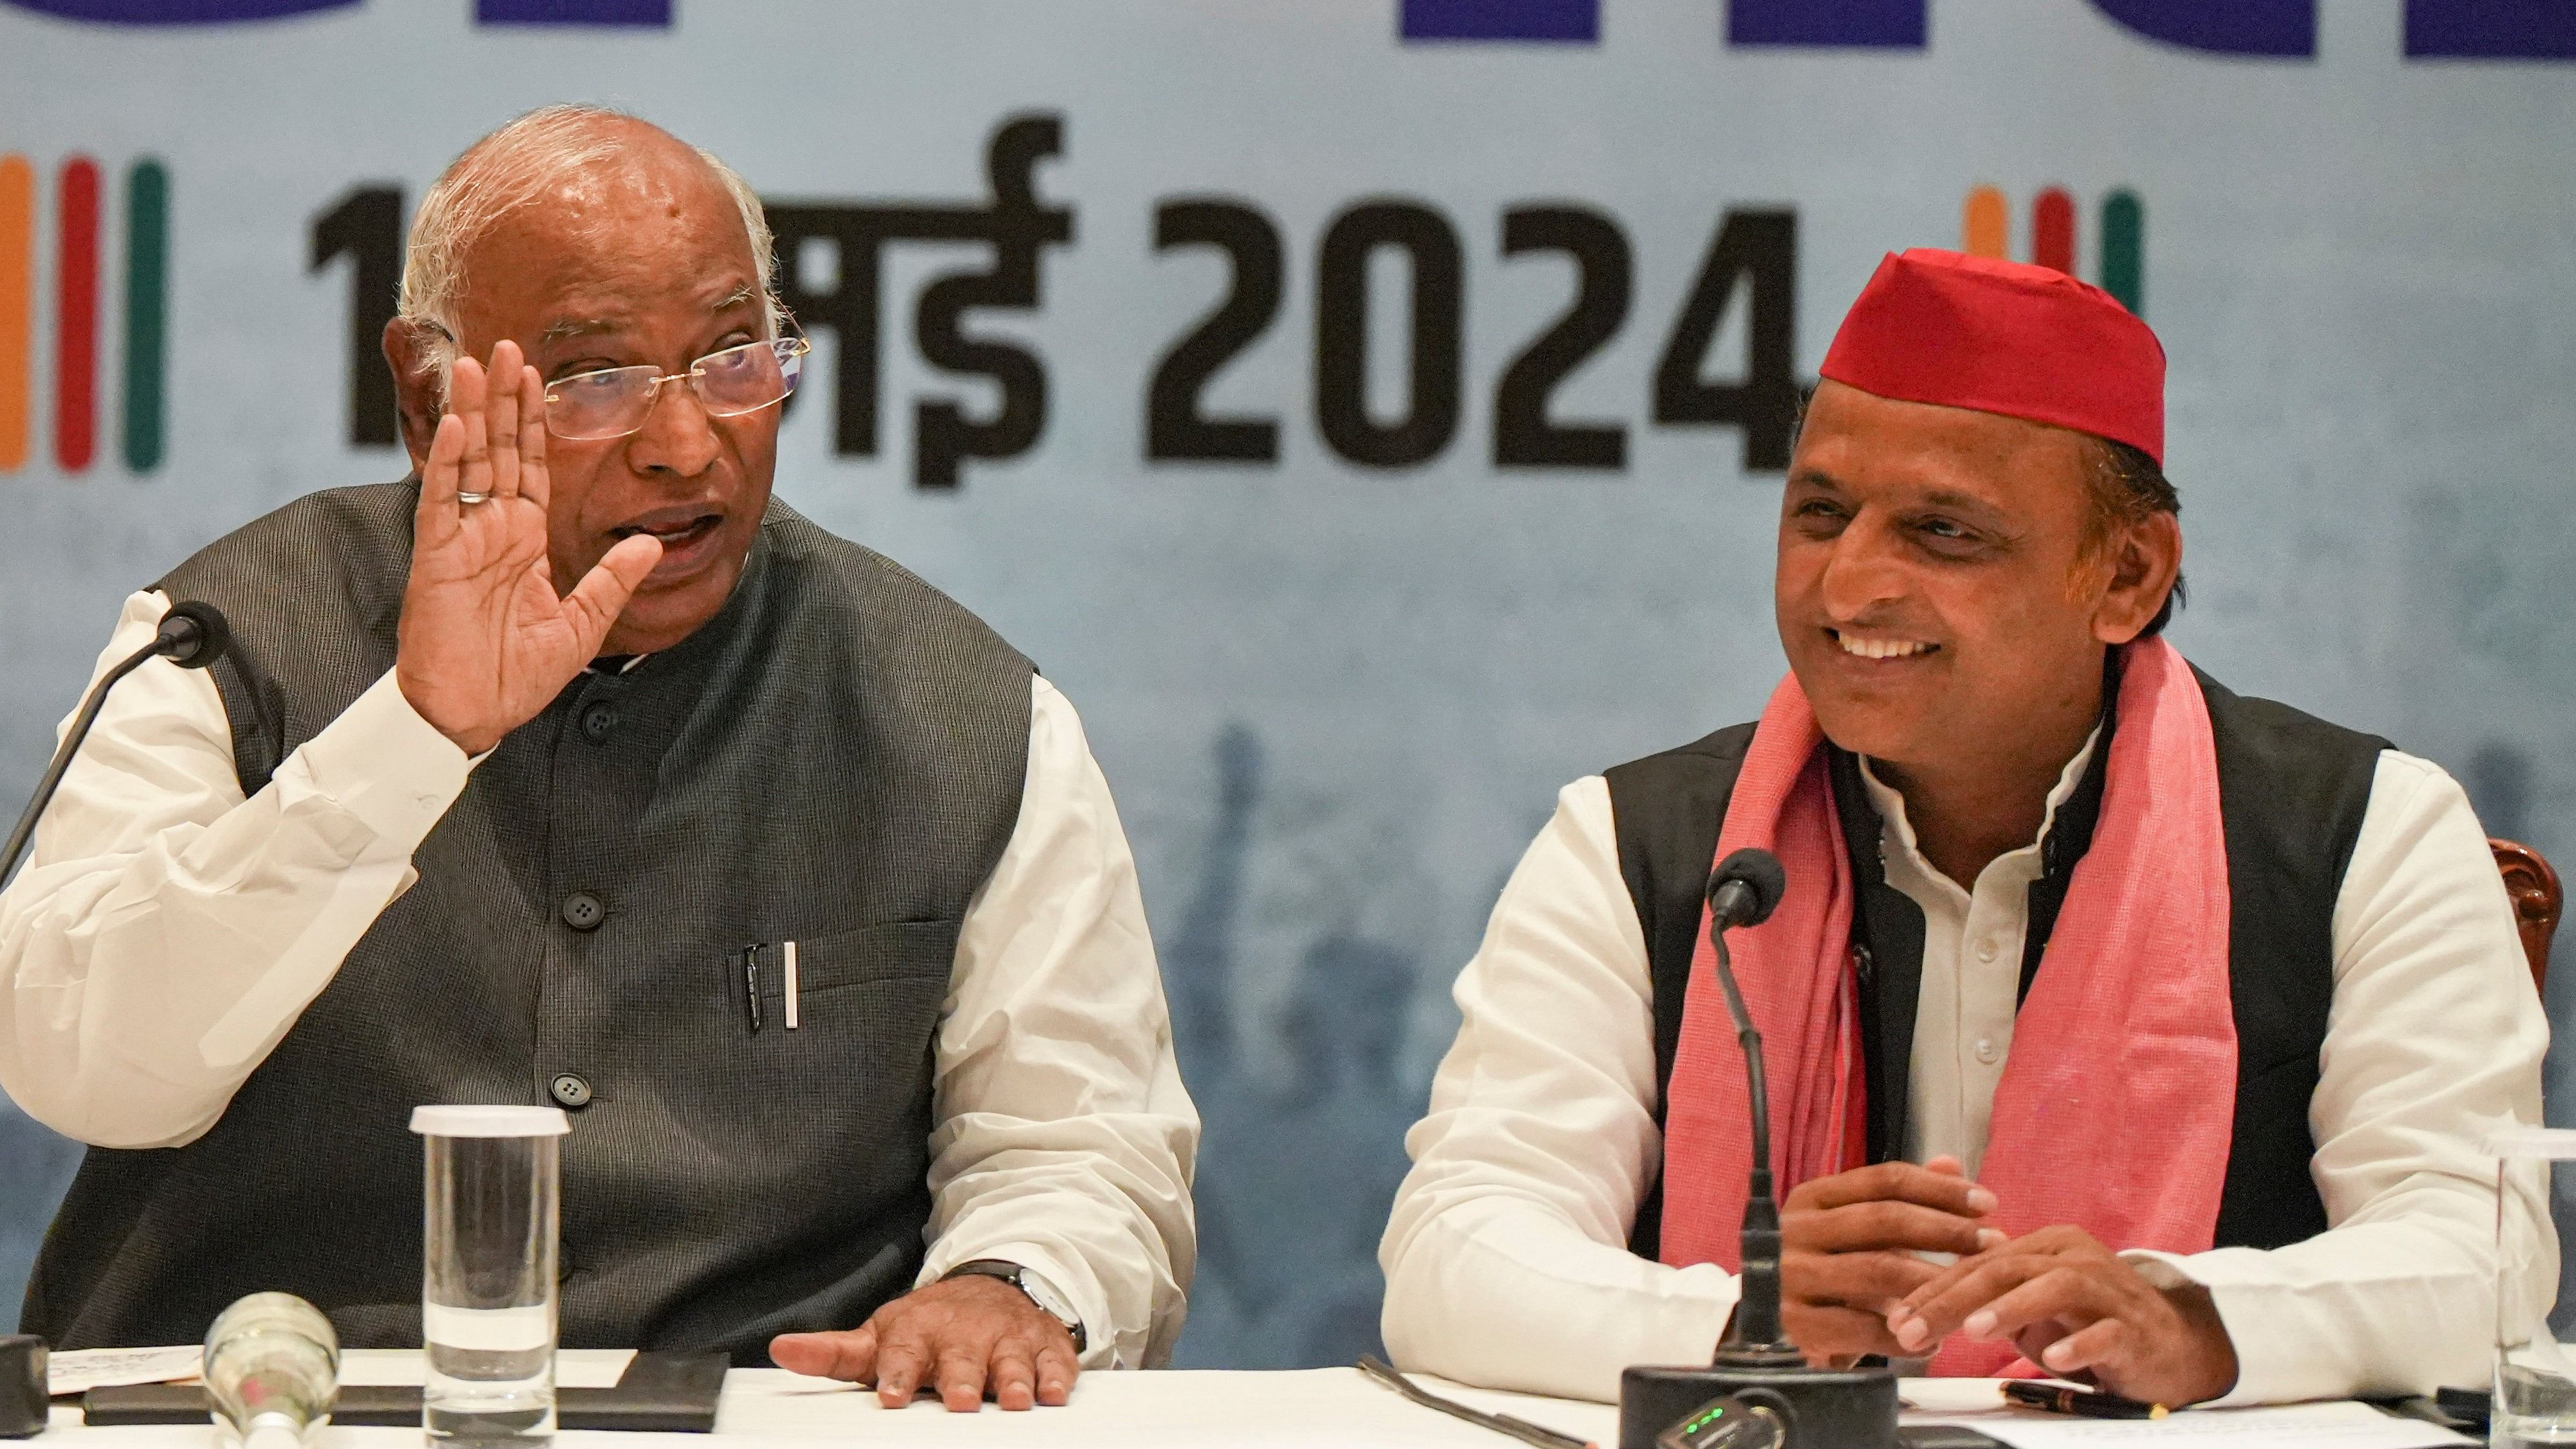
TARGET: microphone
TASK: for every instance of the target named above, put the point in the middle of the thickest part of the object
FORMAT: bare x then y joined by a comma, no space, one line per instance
192,635
1743,891
1758,1392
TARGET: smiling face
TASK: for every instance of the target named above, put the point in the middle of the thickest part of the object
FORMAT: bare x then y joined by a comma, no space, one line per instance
640,261
1937,592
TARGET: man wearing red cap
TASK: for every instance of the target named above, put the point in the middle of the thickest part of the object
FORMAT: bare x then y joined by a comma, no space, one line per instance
2118,1026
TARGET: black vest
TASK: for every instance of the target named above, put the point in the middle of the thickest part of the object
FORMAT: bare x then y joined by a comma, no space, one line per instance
2292,791
836,759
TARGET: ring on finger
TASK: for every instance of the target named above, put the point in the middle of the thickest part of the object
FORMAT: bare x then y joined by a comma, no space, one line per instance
470,499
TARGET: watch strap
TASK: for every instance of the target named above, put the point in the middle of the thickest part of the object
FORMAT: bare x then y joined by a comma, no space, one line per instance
1016,1274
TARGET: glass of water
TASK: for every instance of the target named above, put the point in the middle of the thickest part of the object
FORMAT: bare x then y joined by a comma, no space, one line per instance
2535,1374
487,1294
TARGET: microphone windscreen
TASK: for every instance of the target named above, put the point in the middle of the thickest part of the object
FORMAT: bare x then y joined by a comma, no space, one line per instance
1758,870
203,645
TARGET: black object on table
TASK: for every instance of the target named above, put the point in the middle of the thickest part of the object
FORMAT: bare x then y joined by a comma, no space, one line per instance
667,1393
23,1404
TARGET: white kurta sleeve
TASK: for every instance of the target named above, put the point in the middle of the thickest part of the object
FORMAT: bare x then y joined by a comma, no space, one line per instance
1506,1256
1064,1140
2435,1039
166,932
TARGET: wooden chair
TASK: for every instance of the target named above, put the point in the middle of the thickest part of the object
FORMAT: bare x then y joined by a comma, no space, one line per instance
2537,901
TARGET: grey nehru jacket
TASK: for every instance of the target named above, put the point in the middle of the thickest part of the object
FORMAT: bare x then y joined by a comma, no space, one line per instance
836,759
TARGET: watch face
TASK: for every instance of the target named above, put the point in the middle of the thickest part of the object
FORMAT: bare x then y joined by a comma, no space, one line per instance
1044,1297
1039,1292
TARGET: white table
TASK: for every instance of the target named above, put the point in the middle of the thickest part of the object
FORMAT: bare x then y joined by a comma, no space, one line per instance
1165,1410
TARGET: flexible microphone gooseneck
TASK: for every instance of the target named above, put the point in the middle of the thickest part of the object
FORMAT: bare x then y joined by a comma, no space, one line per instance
1758,1393
192,636
1743,891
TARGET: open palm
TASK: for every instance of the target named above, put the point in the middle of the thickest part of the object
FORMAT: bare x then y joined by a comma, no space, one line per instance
485,641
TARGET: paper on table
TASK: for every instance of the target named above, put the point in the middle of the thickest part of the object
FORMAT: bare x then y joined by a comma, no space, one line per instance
79,1370
575,1368
2295,1426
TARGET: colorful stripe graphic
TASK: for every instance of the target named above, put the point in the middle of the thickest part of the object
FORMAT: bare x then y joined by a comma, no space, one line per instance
147,294
17,305
76,316
1985,224
2052,230
2124,249
78,213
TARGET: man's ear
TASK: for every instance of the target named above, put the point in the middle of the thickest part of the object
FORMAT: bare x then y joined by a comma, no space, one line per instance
2145,561
411,350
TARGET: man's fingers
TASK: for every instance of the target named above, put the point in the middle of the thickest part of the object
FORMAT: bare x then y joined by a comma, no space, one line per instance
533,481
601,596
1889,1224
435,519
1057,1369
1867,1281
1894,1181
1937,1308
1015,1374
961,1378
501,420
2065,1291
2104,1343
851,1356
900,1359
465,403
1826,1331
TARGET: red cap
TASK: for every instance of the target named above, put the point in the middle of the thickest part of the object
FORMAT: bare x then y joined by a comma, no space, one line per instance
2002,337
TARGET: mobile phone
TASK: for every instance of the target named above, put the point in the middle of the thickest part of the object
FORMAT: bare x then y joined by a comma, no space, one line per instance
1945,1436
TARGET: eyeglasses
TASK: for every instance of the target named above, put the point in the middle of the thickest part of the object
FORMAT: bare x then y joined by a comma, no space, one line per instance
615,401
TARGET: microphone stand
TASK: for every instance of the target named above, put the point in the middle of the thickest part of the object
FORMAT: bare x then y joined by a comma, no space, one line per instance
1757,1366
1754,1336
191,636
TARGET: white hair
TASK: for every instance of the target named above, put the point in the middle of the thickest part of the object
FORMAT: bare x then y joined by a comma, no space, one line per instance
510,168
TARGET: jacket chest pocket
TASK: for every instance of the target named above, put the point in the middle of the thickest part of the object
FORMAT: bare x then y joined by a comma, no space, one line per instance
878,988
818,1066
785,974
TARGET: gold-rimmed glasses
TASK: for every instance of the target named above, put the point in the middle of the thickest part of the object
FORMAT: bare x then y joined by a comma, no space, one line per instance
615,401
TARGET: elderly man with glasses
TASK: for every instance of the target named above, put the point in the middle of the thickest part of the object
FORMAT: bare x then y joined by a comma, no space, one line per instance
577,769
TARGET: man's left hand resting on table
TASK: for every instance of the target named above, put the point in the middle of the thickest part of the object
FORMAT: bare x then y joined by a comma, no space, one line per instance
962,1337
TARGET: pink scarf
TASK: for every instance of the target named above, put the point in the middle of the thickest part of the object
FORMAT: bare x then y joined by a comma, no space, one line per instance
2117,1104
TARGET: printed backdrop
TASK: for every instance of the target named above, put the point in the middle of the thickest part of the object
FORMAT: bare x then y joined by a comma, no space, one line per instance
1370,411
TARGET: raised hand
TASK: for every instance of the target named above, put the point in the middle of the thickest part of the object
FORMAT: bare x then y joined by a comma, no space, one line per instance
485,640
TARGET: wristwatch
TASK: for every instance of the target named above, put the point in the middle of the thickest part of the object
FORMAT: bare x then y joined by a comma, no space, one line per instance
1029,1283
